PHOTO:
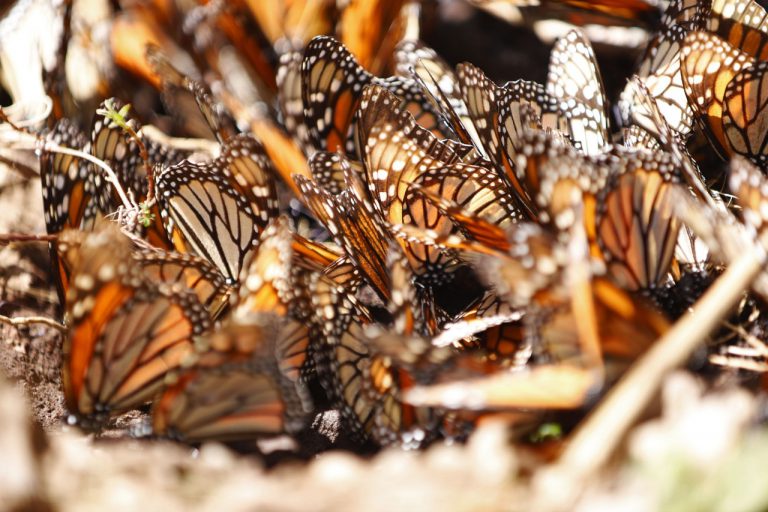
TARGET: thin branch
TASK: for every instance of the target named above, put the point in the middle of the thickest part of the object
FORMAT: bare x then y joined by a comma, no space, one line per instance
7,120
111,176
148,169
753,341
30,320
186,144
7,238
739,363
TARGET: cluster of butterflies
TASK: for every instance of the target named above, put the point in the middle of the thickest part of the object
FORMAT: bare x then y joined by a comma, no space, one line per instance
489,248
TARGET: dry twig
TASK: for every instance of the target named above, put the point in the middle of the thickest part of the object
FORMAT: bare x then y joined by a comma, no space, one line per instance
30,320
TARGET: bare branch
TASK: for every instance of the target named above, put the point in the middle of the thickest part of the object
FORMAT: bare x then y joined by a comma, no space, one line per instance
7,238
111,176
30,320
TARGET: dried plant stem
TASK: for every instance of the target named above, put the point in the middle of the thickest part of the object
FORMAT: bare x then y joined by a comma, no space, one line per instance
5,119
148,169
596,440
29,320
183,143
111,176
7,238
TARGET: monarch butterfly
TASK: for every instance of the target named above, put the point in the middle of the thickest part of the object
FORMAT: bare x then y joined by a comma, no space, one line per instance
216,209
744,106
627,209
370,30
519,102
414,58
332,84
69,193
197,274
273,284
749,186
365,384
708,66
233,391
127,331
474,226
670,142
548,110
329,108
660,67
350,219
67,181
464,192
637,227
551,170
396,151
170,268
290,100
743,24
481,97
575,78
363,367
293,23
172,80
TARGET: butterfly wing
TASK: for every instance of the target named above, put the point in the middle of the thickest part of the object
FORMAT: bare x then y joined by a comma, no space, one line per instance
708,65
234,391
68,193
744,108
637,227
289,99
575,77
196,274
332,82
216,210
127,331
743,24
